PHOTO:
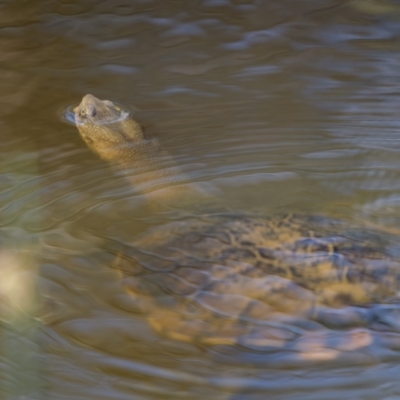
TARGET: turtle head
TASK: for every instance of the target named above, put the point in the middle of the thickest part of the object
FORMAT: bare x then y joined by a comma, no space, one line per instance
93,111
106,127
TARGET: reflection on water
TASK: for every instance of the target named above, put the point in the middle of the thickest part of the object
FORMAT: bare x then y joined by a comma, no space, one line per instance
271,107
20,304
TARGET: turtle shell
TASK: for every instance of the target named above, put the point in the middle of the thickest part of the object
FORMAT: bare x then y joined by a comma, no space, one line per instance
260,282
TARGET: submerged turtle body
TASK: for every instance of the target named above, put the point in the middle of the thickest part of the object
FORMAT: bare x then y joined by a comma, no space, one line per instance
258,282
239,279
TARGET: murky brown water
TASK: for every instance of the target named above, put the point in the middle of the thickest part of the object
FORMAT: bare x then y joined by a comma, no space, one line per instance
271,106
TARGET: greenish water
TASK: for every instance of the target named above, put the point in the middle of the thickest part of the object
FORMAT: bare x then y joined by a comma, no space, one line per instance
272,107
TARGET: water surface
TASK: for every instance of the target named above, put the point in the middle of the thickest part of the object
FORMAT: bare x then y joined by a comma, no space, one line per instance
273,107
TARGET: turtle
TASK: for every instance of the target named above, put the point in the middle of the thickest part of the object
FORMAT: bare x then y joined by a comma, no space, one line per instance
310,284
